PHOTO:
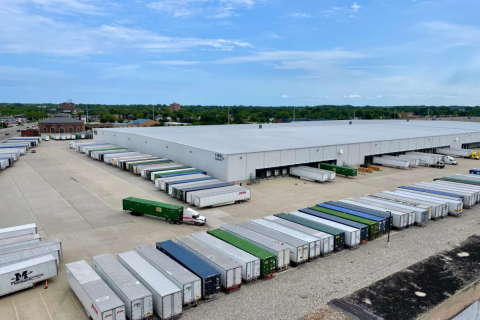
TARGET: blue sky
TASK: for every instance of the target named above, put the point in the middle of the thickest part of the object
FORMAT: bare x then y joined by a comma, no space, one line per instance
249,52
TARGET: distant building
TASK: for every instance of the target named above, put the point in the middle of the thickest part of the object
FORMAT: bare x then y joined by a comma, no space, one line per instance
61,123
176,124
405,115
67,106
174,107
136,123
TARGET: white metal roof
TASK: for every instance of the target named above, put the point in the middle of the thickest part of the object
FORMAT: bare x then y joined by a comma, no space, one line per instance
25,264
234,139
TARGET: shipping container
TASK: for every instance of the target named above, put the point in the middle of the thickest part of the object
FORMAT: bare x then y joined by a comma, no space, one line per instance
173,189
471,193
88,149
127,165
352,235
379,224
21,148
99,155
298,248
474,171
25,274
338,235
223,197
28,251
210,278
460,179
441,205
172,213
16,231
376,213
268,261
147,172
413,162
96,297
189,284
466,186
137,168
18,241
160,174
131,166
305,173
399,217
182,180
435,209
121,161
397,163
327,214
455,202
250,264
191,195
345,171
326,240
137,299
167,297
163,182
331,174
182,194
230,271
178,173
407,215
281,251
314,246
112,158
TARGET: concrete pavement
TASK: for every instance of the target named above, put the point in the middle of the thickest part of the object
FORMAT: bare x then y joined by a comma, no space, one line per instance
77,199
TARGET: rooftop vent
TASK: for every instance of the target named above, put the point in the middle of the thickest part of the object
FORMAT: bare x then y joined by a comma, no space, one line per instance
259,126
350,122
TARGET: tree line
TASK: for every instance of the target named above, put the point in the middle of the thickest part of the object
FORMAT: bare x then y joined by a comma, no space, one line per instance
239,114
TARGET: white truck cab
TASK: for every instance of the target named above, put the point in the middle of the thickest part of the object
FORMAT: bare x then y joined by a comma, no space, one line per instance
193,217
449,160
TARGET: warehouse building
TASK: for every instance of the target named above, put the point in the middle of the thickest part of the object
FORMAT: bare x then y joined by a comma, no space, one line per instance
237,153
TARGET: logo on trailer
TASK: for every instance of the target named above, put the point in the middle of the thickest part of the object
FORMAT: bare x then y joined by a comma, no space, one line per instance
24,276
219,157
242,192
94,309
159,209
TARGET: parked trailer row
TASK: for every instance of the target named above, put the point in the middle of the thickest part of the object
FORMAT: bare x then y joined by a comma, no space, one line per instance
435,209
471,192
230,272
298,248
455,201
163,183
189,284
137,299
249,263
281,251
378,224
210,278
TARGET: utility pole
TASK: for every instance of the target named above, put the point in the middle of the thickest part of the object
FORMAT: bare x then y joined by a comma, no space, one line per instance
353,113
153,110
228,114
293,114
87,113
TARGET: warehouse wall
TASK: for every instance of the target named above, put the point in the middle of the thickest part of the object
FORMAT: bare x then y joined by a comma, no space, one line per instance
195,157
239,167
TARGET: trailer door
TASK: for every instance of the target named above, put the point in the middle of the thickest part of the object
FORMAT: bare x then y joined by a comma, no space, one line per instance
107,315
120,313
167,307
187,293
137,310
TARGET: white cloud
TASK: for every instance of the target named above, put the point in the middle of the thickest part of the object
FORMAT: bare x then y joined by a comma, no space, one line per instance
275,36
174,63
59,6
285,96
209,8
454,35
300,15
273,56
353,96
355,7
30,33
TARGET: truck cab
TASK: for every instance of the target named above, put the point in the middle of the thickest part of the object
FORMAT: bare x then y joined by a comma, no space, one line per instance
475,155
193,217
450,160
440,164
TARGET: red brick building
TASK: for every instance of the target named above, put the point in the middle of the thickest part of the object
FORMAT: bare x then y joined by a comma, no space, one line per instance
67,106
174,107
60,123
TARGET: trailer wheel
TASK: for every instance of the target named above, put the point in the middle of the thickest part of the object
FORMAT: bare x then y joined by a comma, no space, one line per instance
170,221
197,223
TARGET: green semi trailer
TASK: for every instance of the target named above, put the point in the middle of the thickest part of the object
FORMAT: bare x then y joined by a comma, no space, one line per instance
345,171
172,213
268,261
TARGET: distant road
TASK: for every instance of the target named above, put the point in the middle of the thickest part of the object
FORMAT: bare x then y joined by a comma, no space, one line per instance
12,133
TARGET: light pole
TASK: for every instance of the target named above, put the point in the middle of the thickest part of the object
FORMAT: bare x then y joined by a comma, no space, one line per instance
153,110
293,114
389,227
228,114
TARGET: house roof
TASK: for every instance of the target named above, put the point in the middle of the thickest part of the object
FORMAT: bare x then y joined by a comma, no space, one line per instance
138,121
60,119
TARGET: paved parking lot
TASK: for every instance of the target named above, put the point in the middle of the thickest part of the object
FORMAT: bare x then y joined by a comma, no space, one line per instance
78,200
